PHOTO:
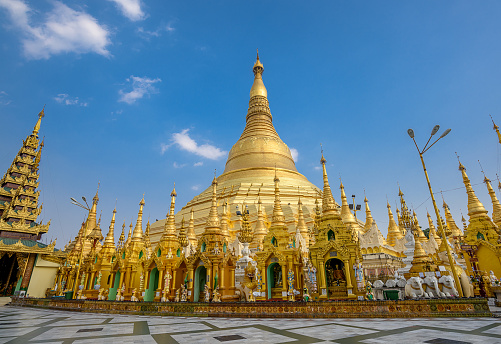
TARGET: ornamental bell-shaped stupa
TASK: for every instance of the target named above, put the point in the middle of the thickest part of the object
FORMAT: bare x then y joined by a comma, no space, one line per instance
250,171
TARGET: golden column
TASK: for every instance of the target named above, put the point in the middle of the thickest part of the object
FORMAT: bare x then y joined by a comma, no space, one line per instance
440,226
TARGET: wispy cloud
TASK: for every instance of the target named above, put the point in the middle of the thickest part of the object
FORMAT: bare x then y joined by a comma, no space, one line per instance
157,33
197,164
186,143
318,168
64,98
294,153
64,30
140,88
195,187
3,98
131,9
176,165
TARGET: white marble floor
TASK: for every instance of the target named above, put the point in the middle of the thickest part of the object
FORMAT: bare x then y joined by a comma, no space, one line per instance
31,326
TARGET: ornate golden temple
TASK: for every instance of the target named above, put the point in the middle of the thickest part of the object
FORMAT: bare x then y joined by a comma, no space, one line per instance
262,231
26,265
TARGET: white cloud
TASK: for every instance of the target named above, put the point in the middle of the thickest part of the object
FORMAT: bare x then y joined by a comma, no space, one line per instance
186,143
140,87
3,98
64,98
63,30
157,33
200,163
318,168
294,153
176,165
130,9
195,187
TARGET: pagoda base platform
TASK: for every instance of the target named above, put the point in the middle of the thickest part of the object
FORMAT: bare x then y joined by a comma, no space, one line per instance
474,307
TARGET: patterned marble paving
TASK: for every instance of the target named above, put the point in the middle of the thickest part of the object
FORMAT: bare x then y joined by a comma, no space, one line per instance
36,326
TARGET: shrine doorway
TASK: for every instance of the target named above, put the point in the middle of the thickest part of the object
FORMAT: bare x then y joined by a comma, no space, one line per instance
8,273
335,279
113,290
274,281
149,295
200,281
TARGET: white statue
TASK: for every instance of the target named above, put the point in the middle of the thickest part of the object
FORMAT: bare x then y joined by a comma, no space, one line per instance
432,288
414,288
493,279
378,284
448,287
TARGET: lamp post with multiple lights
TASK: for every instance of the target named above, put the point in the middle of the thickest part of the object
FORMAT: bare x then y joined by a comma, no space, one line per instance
440,226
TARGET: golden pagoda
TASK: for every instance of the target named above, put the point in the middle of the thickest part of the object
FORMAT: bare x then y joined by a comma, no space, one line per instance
22,257
481,233
249,173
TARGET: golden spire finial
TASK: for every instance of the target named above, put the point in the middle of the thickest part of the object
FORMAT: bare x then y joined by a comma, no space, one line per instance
328,203
41,115
213,218
496,128
191,229
138,230
110,237
346,214
369,220
170,224
496,206
173,193
258,88
475,207
278,218
433,231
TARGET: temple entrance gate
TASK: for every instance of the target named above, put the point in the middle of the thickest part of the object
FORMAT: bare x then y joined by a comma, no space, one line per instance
335,279
113,290
274,281
199,285
8,273
149,295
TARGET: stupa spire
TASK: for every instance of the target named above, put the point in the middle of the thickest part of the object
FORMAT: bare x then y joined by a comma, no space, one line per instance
496,206
137,236
433,231
121,239
278,218
181,237
475,208
170,224
213,219
394,233
260,230
192,237
328,204
301,224
496,128
110,237
346,214
129,236
36,129
259,145
451,224
369,220
224,221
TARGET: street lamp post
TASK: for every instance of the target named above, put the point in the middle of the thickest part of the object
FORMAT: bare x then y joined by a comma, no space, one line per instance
82,238
440,226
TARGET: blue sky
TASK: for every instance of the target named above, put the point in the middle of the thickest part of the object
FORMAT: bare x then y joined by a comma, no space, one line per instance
142,94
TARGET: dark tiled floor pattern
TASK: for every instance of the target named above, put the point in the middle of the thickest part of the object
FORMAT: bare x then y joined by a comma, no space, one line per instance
32,326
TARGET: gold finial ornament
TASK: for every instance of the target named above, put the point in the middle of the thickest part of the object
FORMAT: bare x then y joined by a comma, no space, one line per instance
496,128
137,235
475,207
182,238
496,206
329,207
369,220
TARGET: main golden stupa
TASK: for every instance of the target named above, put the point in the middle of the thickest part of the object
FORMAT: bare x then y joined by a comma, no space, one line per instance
249,174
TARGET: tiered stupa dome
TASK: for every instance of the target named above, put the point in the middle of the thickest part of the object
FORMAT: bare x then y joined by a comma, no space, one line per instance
250,171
